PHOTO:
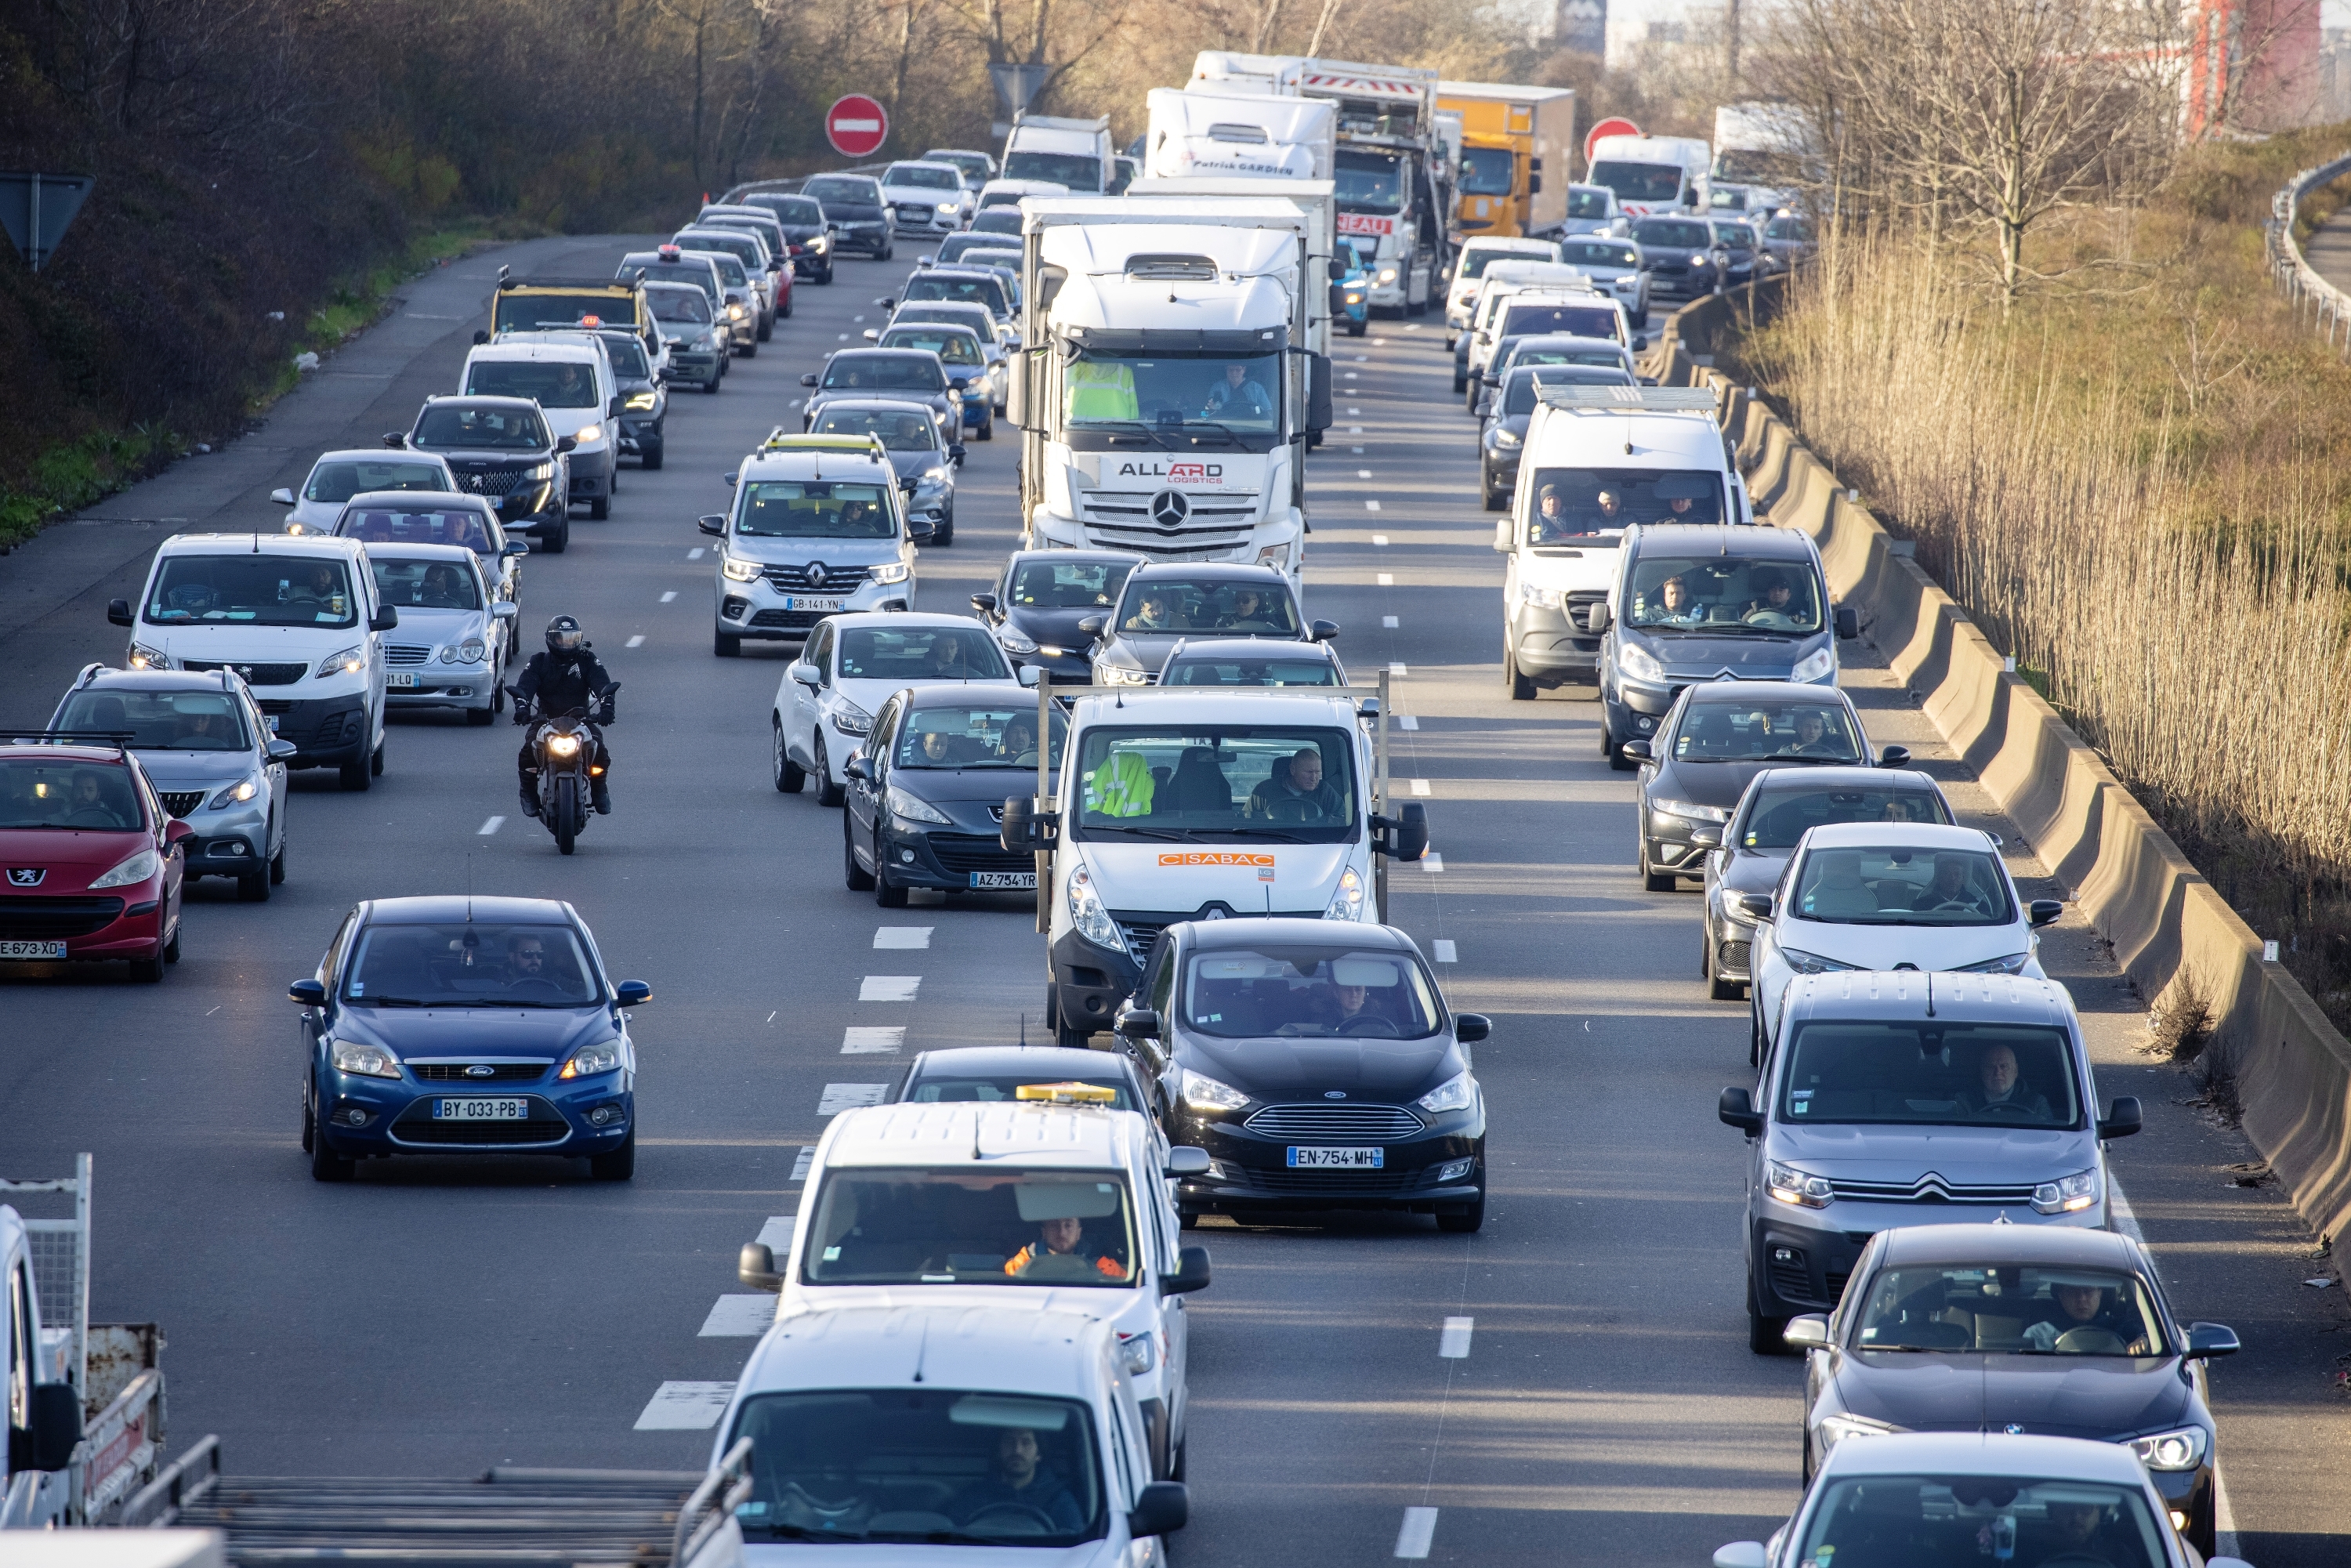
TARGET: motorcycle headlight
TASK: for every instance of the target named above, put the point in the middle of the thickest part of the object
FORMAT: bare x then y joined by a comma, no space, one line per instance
142,657
1347,899
244,790
851,719
2009,964
591,1059
891,571
2070,1195
1790,1185
1689,811
1202,1092
1012,642
2181,1450
349,661
1638,664
130,872
1087,913
1457,1092
1806,963
1818,666
640,402
563,744
1835,1429
912,807
738,571
366,1060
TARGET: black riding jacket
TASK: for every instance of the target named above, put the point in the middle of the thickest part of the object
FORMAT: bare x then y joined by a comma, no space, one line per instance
562,682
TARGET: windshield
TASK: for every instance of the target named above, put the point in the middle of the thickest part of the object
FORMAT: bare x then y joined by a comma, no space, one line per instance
2015,1310
425,584
894,372
953,348
961,289
545,313
1736,730
99,798
1474,263
1924,1072
628,357
843,188
814,509
1734,237
1898,884
1584,508
486,429
1078,172
961,735
1778,818
1369,182
253,590
916,175
470,964
1570,320
1225,783
730,271
921,654
680,304
1168,605
1069,584
1252,669
794,210
341,481
746,251
1003,220
944,314
1519,397
1638,182
1172,393
460,526
1983,1518
1587,204
699,272
160,721
968,1227
1599,253
1316,993
1486,171
1674,234
932,1466
959,1087
1719,593
562,384
912,431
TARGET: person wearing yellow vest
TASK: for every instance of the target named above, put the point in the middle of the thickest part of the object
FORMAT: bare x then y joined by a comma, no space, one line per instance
1128,790
1102,390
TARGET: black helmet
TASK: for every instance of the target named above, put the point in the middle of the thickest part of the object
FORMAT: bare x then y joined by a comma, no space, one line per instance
563,636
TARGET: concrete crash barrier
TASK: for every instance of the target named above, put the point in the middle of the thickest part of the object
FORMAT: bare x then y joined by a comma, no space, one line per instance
2167,922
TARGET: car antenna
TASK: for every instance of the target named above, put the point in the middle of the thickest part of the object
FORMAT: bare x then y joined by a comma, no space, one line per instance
1930,993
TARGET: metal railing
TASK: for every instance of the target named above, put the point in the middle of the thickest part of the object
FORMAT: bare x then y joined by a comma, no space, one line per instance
2329,306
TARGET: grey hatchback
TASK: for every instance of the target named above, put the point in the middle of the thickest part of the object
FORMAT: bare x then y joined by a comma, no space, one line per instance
1164,604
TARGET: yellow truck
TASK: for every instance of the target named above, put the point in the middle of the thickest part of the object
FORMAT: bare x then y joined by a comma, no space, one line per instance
1514,155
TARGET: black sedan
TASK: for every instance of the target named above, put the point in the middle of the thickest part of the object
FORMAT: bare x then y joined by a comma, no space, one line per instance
1038,603
466,1026
855,213
1318,1064
806,231
926,792
2018,1328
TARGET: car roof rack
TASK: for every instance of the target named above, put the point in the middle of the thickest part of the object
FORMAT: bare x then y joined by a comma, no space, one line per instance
508,281
781,440
1629,399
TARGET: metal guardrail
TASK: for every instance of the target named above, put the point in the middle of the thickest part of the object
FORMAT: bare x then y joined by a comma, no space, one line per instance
714,1502
2329,306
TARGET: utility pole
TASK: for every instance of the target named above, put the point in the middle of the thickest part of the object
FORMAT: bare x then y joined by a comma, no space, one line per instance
1730,43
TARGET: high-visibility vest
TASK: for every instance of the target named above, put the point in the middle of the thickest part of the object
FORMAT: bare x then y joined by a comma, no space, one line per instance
1128,789
1101,390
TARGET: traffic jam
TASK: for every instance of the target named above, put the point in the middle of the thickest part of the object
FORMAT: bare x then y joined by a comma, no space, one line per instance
1153,786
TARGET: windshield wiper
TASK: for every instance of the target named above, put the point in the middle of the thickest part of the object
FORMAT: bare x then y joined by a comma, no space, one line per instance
1222,429
1274,833
1148,432
1800,757
385,1002
1171,835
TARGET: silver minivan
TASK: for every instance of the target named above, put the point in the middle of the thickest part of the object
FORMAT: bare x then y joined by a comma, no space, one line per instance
1909,1098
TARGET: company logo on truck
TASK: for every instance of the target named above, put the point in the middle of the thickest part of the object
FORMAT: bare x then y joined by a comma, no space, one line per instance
1364,223
1178,473
1216,857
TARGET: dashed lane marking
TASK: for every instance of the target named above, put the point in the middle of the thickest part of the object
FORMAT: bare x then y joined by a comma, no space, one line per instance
1379,540
840,1097
1420,786
685,1407
1415,327
1356,430
1363,473
871,1039
903,937
1389,622
1452,1344
1407,721
489,826
636,642
1356,450
1399,670
1432,861
1445,952
889,987
669,597
694,554
1363,358
739,1317
1419,1523
776,1236
1370,506
1388,580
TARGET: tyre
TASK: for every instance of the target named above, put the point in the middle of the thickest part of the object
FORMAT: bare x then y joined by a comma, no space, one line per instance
375,761
651,459
600,509
1357,328
887,893
567,812
1522,687
784,306
484,713
711,386
357,774
1610,749
889,253
171,948
1460,384
789,775
852,876
1754,1032
278,865
253,887
946,536
618,1165
826,278
1718,988
1464,1221
828,793
1496,500
325,1164
499,686
767,327
726,644
1064,1036
1653,880
1187,1220
557,543
1764,1334
988,428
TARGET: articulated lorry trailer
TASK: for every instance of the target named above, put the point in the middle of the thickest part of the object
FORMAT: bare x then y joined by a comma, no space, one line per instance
1251,136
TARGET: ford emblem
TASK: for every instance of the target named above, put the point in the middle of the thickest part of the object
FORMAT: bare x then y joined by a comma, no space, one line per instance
478,1071
1334,1094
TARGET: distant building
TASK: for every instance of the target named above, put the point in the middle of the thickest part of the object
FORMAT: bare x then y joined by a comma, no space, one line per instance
2254,65
1582,26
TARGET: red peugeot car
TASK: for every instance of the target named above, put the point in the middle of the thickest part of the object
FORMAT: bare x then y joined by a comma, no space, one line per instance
91,860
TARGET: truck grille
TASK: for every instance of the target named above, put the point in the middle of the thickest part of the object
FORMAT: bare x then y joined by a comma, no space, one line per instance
179,802
405,653
1190,544
962,854
1339,1123
836,578
255,674
54,919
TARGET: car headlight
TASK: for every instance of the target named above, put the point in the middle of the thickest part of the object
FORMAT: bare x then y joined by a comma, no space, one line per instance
851,719
949,210
912,807
891,571
2010,963
1546,598
1012,642
142,657
349,661
244,790
1638,664
1347,898
1114,675
588,435
737,569
1354,296
1457,1092
734,312
468,651
1387,274
1700,261
1790,1185
1087,913
2071,1195
1503,436
563,744
1820,664
1138,1353
1689,811
1806,963
1202,1092
2181,1450
709,340
544,471
1835,1429
938,475
135,870
640,402
365,1061
591,1059
1727,905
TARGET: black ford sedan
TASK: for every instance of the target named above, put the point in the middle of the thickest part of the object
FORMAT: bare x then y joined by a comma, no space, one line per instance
2044,1328
926,792
1318,1064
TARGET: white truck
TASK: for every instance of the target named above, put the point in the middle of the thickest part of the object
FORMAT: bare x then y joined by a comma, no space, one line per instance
1072,152
1165,388
1763,152
1254,136
1316,198
1653,176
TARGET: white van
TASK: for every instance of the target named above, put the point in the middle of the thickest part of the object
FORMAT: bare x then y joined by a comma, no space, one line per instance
573,383
923,1431
1659,453
297,616
1654,175
1057,1199
1469,270
1574,310
1072,152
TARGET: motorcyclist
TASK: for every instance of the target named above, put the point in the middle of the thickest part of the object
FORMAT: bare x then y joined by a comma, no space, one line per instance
565,678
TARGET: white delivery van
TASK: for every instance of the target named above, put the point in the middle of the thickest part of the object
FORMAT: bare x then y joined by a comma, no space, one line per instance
1056,1199
1072,152
573,381
1653,176
923,1432
1596,461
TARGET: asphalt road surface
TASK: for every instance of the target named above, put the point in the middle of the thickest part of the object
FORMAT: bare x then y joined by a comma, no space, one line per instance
1572,1381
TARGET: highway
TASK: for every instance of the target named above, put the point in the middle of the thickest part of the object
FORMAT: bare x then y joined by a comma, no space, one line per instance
1573,1380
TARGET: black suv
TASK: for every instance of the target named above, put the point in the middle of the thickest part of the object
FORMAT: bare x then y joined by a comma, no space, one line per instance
805,228
859,217
501,448
644,401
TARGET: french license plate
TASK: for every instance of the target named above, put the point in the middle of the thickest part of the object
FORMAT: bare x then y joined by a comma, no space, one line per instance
802,601
479,1109
1337,1159
985,879
273,724
399,678
32,950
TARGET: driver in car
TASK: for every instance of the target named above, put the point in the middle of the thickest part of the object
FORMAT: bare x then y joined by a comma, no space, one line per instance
1352,1004
1063,1238
1239,395
2088,1307
1019,1483
525,959
1952,888
2003,1085
1772,597
1296,792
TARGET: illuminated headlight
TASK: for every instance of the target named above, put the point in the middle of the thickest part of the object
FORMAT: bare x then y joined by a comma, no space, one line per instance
891,571
1113,676
949,210
1354,296
2070,1196
366,1060
735,570
142,657
2181,1450
1806,963
851,719
135,870
589,434
734,312
1820,664
591,1059
563,746
1503,436
1790,1185
544,471
1387,274
1014,642
912,807
349,661
1137,1351
1638,664
1202,1092
1347,901
821,245
933,478
1457,1092
243,789
1700,260
2008,964
1689,811
1087,913
640,402
1546,598
1835,1429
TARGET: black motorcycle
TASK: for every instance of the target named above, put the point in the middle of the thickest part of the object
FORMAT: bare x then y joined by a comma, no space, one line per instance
565,749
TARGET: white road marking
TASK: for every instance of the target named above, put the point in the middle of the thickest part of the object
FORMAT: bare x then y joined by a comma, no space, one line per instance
1389,622
694,554
636,642
1357,411
1419,1523
1398,670
1348,375
1379,540
2224,1518
844,337
871,1039
739,1317
685,1407
1356,450
1388,580
889,987
1445,952
1453,1343
669,597
857,318
1420,786
840,1097
801,1166
771,1017
1363,358
777,1234
903,937
1373,507
794,403
1356,430
489,826
1363,473
1432,861
1407,721
1415,327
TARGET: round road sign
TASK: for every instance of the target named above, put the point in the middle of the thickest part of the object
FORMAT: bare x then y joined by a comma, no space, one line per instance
856,126
1614,127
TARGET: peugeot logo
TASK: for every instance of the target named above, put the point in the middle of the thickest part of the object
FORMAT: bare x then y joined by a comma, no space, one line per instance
27,876
1169,508
478,1071
1334,1094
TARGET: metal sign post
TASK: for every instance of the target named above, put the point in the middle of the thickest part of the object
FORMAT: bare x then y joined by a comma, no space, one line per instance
36,210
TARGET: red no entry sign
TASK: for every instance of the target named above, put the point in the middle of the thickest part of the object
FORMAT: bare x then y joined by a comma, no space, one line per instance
1617,126
856,126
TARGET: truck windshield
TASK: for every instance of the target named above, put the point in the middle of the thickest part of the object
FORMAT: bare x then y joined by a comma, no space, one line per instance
1370,181
963,1226
1722,594
1639,181
1225,784
1172,393
1579,508
1075,169
1486,171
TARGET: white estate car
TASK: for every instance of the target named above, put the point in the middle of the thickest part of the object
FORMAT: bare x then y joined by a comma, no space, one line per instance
337,476
825,704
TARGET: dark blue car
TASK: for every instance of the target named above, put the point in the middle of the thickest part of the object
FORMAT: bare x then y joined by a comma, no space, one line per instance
466,1026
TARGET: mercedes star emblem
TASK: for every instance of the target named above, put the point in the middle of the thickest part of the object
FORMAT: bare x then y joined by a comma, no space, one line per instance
1169,508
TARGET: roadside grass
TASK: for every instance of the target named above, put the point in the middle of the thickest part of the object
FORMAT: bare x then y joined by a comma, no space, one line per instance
2133,482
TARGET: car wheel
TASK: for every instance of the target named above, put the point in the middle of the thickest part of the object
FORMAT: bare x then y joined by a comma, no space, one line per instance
790,774
1460,384
946,536
1614,752
1187,1220
784,307
1522,687
253,887
711,386
309,1126
1754,1030
277,863
1764,1335
375,760
1808,1463
600,509
356,775
1716,988
852,875
1496,500
484,713
889,253
828,793
1464,1221
887,893
325,1164
1063,1035
726,644
558,541
766,328
651,459
827,276
618,1165
988,428
148,971
1653,880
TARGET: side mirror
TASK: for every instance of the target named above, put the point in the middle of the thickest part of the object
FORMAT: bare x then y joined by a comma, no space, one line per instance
887,302
310,993
1092,625
1595,620
613,410
279,750
1317,391
117,611
922,530
985,604
516,547
1470,1028
1894,756
756,1266
872,335
857,767
805,674
1706,836
1757,904
394,439
2212,1340
480,336
1191,1272
1809,1332
566,444
1849,623
808,380
1745,1554
52,1429
282,498
384,620
1137,1023
712,523
1322,630
2043,912
2122,1118
1737,1109
1030,676
1187,1160
1638,750
1164,1506
504,610
633,993
1025,827
176,833
1403,836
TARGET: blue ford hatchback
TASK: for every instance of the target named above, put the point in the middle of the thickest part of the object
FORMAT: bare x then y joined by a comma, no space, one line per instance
466,1026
